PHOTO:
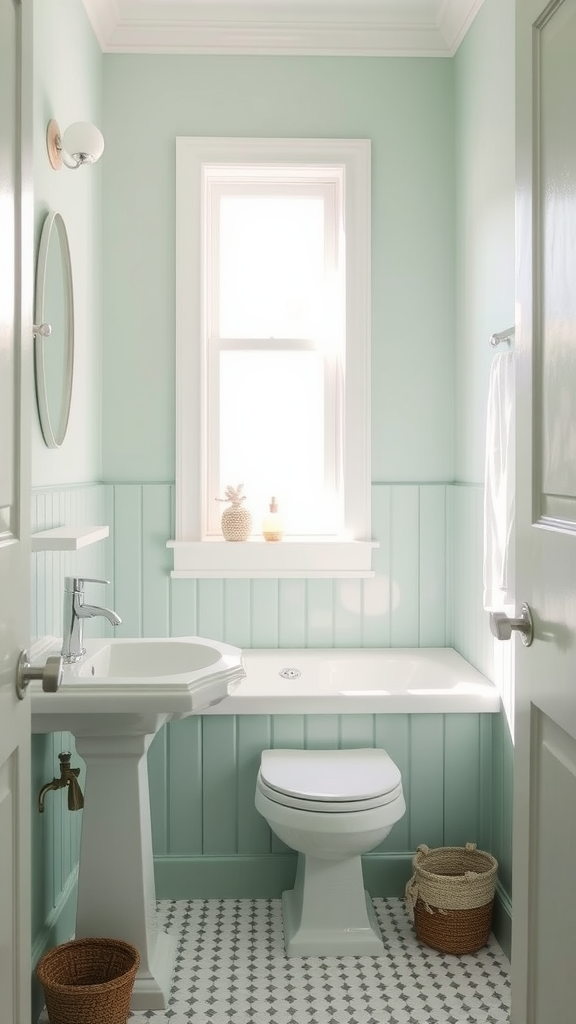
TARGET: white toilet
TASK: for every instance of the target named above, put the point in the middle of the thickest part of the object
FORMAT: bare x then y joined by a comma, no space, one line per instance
331,806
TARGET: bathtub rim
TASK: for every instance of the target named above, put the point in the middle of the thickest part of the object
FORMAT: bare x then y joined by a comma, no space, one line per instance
487,700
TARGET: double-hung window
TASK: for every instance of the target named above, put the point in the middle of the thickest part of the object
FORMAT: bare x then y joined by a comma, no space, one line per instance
273,287
274,348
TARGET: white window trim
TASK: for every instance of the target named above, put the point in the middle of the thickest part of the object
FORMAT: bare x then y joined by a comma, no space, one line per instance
195,555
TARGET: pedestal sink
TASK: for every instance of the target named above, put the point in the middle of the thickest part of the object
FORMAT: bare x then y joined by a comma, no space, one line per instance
114,702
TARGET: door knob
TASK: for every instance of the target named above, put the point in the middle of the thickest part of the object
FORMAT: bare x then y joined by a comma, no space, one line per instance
50,674
501,625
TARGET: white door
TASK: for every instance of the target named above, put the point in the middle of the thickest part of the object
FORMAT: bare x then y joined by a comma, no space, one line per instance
544,879
15,370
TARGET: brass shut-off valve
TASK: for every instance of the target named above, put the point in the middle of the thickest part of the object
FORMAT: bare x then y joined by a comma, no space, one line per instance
68,779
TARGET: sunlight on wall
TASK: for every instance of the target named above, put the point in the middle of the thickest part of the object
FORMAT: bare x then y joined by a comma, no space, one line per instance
380,596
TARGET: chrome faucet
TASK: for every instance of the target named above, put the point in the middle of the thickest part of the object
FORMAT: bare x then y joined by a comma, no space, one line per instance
75,611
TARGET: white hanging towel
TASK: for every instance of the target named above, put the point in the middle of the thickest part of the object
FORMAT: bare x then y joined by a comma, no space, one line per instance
499,484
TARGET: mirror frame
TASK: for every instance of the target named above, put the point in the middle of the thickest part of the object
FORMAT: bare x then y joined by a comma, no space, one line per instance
53,432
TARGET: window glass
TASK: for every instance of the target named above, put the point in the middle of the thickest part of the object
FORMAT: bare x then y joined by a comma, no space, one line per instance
272,434
271,266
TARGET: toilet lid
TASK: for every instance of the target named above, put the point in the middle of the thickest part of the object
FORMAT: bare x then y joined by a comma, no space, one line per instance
330,775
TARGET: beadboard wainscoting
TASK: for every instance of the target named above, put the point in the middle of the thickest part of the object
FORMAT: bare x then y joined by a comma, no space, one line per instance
208,838
404,605
469,629
55,846
71,506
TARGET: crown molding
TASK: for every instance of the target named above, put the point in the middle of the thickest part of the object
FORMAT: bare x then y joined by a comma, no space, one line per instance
369,28
454,19
104,16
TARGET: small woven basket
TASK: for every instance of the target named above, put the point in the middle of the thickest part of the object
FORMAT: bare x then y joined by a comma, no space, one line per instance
89,981
451,896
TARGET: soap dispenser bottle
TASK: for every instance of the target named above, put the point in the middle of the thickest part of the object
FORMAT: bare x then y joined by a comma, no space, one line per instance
273,527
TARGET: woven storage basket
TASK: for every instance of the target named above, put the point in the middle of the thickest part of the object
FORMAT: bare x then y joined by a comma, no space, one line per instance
451,896
89,981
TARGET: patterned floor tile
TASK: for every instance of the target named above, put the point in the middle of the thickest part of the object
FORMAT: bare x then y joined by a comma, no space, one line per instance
232,969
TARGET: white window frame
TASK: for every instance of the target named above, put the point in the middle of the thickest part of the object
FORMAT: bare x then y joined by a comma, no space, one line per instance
196,553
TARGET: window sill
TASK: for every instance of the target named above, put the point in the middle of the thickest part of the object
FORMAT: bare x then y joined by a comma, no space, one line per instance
310,558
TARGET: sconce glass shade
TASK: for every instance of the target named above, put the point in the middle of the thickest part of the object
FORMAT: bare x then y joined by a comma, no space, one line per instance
83,142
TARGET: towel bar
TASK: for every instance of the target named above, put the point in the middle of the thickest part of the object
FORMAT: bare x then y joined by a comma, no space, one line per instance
506,336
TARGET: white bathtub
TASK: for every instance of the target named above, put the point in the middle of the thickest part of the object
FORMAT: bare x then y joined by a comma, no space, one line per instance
371,681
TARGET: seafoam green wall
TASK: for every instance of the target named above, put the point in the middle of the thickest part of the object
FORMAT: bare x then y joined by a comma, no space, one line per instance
68,87
485,182
406,107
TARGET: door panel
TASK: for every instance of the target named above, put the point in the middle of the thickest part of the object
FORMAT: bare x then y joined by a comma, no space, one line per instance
555,207
553,987
544,896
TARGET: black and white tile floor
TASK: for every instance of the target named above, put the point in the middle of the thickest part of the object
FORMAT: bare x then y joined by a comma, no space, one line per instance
232,969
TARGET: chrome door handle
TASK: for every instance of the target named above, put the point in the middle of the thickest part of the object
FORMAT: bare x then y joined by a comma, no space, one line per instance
50,674
501,626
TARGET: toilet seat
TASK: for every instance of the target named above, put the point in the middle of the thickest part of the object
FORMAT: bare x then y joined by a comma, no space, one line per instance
326,806
329,780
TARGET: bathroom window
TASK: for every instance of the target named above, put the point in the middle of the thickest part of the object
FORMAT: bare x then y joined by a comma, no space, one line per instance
272,323
274,348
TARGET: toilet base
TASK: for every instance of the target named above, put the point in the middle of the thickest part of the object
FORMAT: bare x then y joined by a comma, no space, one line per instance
328,912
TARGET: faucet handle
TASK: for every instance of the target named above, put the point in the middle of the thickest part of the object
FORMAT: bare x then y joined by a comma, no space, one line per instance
75,584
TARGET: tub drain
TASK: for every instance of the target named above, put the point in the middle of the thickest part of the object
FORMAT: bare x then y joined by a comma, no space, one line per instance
290,673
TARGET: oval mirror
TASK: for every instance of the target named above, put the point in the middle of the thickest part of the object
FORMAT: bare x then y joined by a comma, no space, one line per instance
54,331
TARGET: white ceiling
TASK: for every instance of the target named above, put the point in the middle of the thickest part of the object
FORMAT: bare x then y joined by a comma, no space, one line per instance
432,28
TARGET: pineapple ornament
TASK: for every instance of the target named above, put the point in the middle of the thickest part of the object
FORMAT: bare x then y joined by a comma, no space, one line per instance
236,521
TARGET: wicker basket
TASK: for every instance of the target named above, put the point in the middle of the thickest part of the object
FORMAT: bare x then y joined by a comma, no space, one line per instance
451,896
89,981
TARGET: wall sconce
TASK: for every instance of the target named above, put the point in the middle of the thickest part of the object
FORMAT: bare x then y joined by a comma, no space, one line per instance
82,143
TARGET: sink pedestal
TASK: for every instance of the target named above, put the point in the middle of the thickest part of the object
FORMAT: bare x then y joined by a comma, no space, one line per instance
116,890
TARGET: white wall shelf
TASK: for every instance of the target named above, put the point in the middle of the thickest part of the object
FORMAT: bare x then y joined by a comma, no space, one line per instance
68,538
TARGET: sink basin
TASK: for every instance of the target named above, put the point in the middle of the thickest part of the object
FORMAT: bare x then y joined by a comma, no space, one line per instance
114,701
134,686
145,658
